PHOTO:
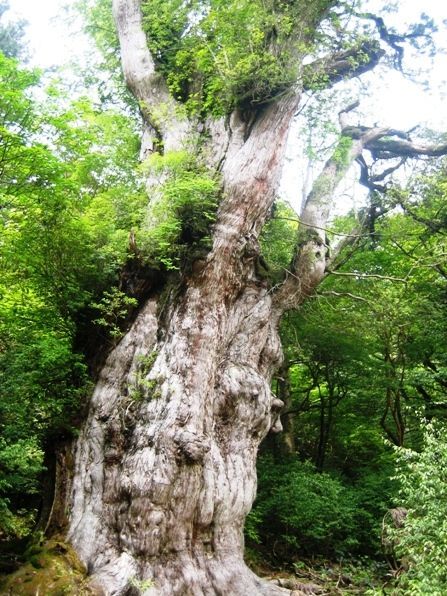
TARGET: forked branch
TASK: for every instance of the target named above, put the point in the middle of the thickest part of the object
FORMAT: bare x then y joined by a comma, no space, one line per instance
395,40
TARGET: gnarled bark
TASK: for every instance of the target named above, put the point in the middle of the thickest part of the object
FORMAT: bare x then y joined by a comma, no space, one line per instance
163,482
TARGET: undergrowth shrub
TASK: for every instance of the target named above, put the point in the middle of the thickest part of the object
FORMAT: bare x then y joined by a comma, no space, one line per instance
303,512
421,543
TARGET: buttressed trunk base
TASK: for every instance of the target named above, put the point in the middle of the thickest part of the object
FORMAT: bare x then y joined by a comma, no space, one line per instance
165,467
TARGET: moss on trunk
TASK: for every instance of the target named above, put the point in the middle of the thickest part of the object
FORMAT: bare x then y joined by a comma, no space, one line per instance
52,570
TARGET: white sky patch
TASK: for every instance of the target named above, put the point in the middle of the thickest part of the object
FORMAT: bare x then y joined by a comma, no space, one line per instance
51,40
387,98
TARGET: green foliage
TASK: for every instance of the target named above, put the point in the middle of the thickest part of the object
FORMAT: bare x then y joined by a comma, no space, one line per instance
105,74
141,386
278,239
302,511
69,195
20,463
146,361
181,213
99,24
141,584
114,307
65,219
217,55
365,356
422,541
342,151
328,347
42,384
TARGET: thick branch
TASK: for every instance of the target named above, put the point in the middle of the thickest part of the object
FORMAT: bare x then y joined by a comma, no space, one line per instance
388,143
312,253
398,147
433,225
147,86
342,65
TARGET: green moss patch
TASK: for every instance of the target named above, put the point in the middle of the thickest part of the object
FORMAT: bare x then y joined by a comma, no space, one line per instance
52,570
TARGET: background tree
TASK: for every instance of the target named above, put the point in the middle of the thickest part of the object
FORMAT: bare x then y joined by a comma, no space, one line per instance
421,541
11,34
64,235
375,322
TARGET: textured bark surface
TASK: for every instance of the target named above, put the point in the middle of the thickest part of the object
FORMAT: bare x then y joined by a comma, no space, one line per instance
145,83
164,480
165,465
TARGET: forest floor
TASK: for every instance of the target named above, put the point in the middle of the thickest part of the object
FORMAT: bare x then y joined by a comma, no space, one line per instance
329,578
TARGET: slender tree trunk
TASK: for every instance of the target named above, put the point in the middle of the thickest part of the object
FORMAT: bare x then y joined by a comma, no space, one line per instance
322,434
286,439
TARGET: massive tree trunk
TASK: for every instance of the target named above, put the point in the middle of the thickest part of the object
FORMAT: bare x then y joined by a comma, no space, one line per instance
163,482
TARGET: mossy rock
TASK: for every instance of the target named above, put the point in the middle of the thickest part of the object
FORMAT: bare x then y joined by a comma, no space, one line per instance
54,570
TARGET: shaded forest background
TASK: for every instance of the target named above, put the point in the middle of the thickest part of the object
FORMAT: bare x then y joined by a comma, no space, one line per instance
365,375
